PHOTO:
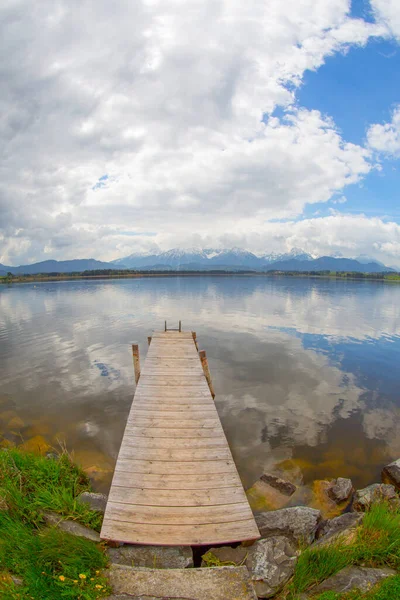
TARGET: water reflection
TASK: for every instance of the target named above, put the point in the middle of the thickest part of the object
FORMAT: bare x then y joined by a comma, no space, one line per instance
304,370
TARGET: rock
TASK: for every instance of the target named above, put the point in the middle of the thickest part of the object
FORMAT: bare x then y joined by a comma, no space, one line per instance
341,527
186,584
125,597
226,555
391,473
298,523
52,456
94,501
36,444
374,493
71,526
152,557
353,578
9,578
262,496
15,424
271,563
341,490
284,487
322,501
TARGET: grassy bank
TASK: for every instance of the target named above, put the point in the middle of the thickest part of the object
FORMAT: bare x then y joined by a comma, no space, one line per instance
51,563
376,544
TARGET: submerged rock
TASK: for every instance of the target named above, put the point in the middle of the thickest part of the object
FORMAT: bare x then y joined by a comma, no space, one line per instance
152,557
283,486
71,527
322,501
391,473
340,528
341,490
271,563
377,492
36,444
298,523
94,501
353,578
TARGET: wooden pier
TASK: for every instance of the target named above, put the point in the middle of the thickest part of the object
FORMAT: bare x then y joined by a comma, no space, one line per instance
175,481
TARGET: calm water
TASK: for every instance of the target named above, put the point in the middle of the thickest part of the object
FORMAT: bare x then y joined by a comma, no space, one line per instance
306,371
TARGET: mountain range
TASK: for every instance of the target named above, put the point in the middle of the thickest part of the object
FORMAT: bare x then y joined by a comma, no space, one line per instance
232,259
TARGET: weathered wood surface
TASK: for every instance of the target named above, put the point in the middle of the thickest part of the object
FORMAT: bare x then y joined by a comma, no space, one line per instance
175,482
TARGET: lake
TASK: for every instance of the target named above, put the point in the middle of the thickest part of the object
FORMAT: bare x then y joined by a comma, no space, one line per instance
306,371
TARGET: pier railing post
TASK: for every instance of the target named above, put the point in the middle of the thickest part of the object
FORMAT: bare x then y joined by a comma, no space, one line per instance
204,364
136,360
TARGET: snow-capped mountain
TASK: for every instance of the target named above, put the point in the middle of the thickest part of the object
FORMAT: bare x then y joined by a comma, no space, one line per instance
295,254
235,259
211,257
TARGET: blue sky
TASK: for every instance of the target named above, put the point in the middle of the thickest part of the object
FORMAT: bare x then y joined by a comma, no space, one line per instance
357,88
126,128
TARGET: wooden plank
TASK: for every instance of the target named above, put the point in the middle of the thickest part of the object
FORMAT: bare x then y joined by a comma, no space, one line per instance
178,498
186,423
175,403
174,454
195,413
181,432
175,481
176,535
150,467
173,515
173,442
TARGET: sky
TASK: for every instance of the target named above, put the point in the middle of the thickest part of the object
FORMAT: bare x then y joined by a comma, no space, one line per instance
142,126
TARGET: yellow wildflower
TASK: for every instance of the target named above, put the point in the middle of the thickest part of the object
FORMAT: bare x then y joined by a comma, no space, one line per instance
75,581
61,578
98,587
82,576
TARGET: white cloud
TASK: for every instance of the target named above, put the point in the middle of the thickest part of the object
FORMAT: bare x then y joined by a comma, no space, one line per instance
388,13
386,138
167,99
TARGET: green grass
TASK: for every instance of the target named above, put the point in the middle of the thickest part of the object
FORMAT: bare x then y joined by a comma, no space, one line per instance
376,544
53,564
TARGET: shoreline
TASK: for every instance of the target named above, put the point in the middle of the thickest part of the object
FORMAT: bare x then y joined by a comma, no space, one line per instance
40,278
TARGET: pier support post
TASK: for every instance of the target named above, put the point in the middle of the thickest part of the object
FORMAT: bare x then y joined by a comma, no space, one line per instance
204,364
195,340
149,339
180,326
136,360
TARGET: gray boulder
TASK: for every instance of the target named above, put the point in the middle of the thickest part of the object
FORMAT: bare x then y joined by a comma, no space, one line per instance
391,473
298,523
374,493
341,527
341,490
71,527
224,583
152,557
353,578
271,563
94,501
